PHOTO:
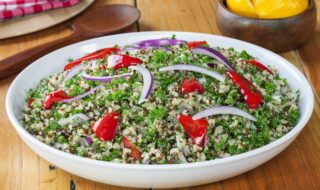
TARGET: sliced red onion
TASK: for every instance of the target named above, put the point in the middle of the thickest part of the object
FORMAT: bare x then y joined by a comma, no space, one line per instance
218,110
159,42
212,53
147,82
71,74
104,79
84,94
185,67
89,140
71,119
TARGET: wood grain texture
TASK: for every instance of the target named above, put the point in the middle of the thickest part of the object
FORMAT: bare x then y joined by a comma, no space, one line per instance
298,167
91,24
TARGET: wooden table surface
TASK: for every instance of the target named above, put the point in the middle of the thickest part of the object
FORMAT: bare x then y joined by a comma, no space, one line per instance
298,167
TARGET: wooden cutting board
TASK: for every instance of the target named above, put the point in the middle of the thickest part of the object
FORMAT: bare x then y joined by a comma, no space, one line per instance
40,21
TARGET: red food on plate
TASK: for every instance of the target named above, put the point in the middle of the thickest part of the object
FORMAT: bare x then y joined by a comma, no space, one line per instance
250,93
195,44
259,65
106,127
195,129
135,152
125,61
99,54
55,97
191,85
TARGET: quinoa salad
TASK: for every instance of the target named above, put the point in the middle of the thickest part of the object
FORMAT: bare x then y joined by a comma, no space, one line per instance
161,101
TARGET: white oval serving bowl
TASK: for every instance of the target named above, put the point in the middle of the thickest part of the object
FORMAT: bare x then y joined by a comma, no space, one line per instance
154,176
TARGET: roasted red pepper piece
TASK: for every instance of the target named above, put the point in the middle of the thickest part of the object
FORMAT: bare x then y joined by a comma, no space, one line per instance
30,101
100,54
195,129
106,127
195,44
250,93
135,152
259,65
191,85
54,97
126,61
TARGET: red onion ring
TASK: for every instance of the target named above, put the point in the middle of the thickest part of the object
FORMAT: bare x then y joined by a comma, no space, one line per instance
218,110
84,94
71,74
104,79
89,141
159,42
147,82
214,54
70,119
186,67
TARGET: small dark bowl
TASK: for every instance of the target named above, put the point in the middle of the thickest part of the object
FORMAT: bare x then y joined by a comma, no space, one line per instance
278,35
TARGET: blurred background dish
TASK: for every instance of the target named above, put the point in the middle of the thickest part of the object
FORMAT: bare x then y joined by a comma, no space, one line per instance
100,21
278,35
268,9
36,22
18,8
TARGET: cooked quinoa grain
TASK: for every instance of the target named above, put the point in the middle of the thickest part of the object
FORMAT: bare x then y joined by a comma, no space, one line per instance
152,126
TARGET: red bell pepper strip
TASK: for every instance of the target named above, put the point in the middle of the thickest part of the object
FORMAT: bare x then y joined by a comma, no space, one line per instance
54,97
250,93
191,85
135,152
259,65
106,127
30,101
195,44
126,61
195,129
100,54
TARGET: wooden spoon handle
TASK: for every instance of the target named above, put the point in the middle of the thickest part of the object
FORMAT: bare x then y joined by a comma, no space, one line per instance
17,62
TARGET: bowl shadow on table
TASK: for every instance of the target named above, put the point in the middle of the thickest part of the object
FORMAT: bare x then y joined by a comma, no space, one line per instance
278,35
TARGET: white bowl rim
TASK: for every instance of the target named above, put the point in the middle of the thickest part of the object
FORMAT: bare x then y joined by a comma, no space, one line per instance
123,166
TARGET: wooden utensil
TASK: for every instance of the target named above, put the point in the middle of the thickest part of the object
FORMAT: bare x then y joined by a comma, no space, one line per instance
98,22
